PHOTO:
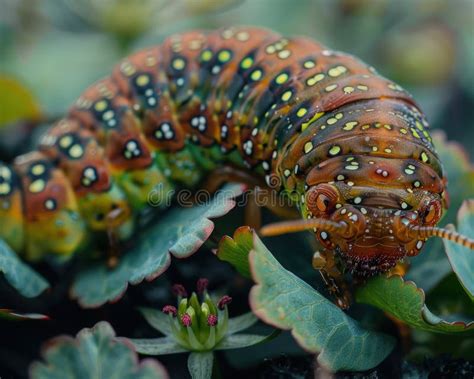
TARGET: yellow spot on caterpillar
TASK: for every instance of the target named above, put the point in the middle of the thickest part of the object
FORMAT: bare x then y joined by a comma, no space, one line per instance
419,126
38,169
388,151
282,78
336,71
415,133
350,125
426,134
270,49
5,173
365,127
108,115
352,167
314,79
286,95
395,87
388,127
348,89
309,64
311,120
65,142
242,36
206,55
403,131
100,105
246,63
287,172
308,146
224,56
362,87
330,88
227,34
375,148
334,150
339,115
256,75
424,157
5,188
142,80
127,68
76,151
195,44
37,186
301,112
284,54
332,121
178,63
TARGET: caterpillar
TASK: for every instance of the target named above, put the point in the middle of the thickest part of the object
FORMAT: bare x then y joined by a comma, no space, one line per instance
350,148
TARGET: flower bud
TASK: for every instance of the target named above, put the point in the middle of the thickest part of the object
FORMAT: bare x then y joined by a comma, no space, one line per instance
170,310
202,285
212,320
186,320
179,290
224,300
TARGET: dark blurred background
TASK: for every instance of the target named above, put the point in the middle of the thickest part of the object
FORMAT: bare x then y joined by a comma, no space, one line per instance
55,48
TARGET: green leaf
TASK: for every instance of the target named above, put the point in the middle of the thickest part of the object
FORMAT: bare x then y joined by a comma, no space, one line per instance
157,346
157,319
241,322
180,232
462,258
431,266
9,314
238,341
406,302
16,102
94,353
285,301
200,365
236,250
21,276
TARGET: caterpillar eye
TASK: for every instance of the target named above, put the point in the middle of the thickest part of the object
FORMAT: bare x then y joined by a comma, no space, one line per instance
322,202
432,213
322,199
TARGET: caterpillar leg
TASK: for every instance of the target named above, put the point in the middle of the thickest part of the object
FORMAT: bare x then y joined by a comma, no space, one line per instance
324,262
114,220
400,269
253,212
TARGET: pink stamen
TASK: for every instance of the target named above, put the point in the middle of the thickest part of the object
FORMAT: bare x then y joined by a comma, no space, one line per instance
223,302
212,320
169,310
179,290
202,284
186,320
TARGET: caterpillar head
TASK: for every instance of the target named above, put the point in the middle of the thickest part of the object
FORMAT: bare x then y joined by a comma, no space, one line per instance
372,230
